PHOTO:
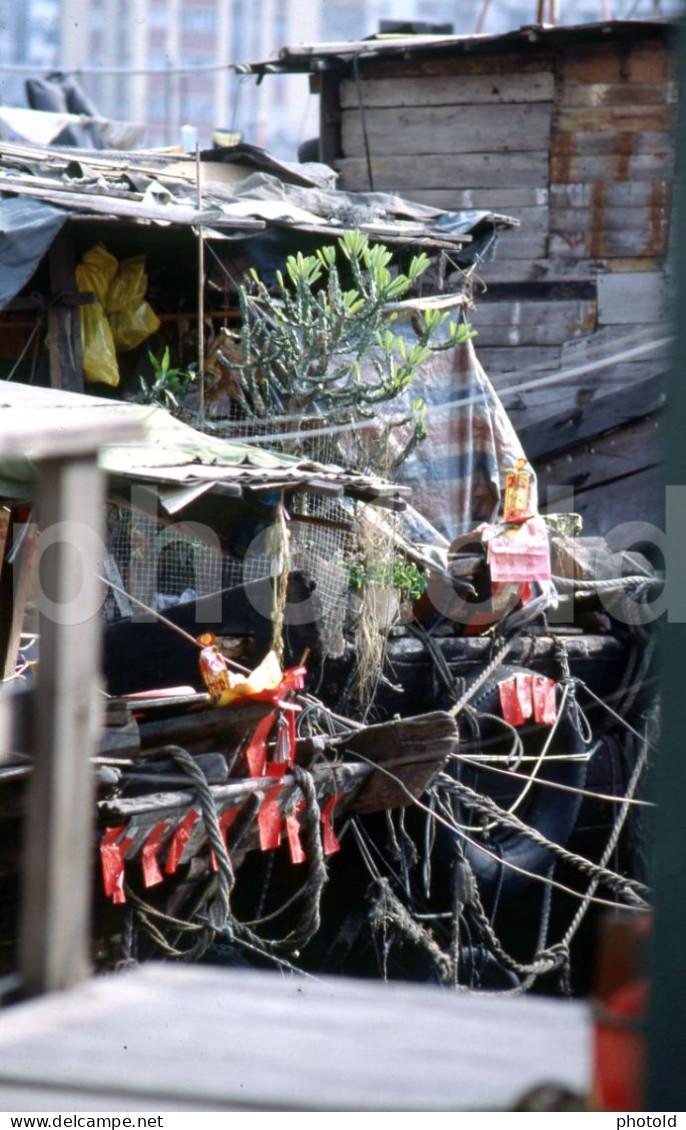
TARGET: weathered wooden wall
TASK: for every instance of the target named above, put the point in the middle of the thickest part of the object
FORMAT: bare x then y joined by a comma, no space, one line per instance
575,139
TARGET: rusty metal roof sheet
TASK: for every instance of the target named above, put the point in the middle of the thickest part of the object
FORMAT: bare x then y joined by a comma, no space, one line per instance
305,57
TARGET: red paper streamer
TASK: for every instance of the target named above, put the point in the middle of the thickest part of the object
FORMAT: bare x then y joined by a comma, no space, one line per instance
152,874
225,821
269,820
256,752
545,703
179,840
516,702
112,859
329,842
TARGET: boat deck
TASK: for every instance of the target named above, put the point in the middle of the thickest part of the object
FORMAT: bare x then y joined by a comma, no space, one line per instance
175,1038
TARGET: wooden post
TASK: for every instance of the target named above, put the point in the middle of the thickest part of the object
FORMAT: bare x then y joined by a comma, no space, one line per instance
666,1082
330,118
64,325
55,920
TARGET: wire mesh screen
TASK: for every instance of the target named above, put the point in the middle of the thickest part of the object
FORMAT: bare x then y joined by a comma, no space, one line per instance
323,539
161,565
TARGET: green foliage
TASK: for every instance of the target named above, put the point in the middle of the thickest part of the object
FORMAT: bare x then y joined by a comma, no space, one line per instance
167,384
399,574
303,344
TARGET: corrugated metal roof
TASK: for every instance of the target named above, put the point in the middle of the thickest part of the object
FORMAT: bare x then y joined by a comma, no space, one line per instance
165,451
242,196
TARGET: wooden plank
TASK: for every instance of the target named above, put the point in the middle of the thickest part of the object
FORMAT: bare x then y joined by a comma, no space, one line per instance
612,167
632,298
613,119
503,200
447,129
343,1044
490,170
329,118
572,315
610,340
518,244
55,916
543,270
616,94
579,244
640,219
589,143
534,221
531,401
604,412
622,194
450,90
537,333
650,61
544,358
622,452
529,62
640,496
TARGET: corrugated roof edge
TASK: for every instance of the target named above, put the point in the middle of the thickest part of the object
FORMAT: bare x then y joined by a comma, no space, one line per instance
306,57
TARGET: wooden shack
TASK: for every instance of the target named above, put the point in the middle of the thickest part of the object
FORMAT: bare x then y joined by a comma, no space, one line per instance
571,131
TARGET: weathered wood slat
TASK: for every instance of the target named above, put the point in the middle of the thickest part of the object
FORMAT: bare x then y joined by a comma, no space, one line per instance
534,221
600,415
490,170
532,63
649,62
408,130
498,199
653,223
607,506
538,407
621,194
616,94
540,270
536,333
572,315
519,245
629,298
611,119
625,451
521,360
569,169
607,244
449,90
617,339
588,143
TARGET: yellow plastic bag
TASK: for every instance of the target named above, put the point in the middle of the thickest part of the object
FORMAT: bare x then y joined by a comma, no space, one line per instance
131,318
95,273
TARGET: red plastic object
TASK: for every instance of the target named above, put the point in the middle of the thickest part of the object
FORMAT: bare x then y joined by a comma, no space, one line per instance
619,1059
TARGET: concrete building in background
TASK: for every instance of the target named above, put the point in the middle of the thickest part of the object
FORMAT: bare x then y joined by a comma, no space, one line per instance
168,59
147,36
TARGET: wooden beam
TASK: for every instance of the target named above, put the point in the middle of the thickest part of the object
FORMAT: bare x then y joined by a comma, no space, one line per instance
55,916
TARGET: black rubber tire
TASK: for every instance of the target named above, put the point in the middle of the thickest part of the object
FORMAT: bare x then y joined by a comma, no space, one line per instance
551,812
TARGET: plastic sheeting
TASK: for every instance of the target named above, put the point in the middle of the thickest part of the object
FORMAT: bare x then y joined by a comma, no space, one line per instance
27,229
458,471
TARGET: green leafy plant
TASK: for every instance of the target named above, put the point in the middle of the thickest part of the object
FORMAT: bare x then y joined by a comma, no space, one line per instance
167,383
316,346
398,574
